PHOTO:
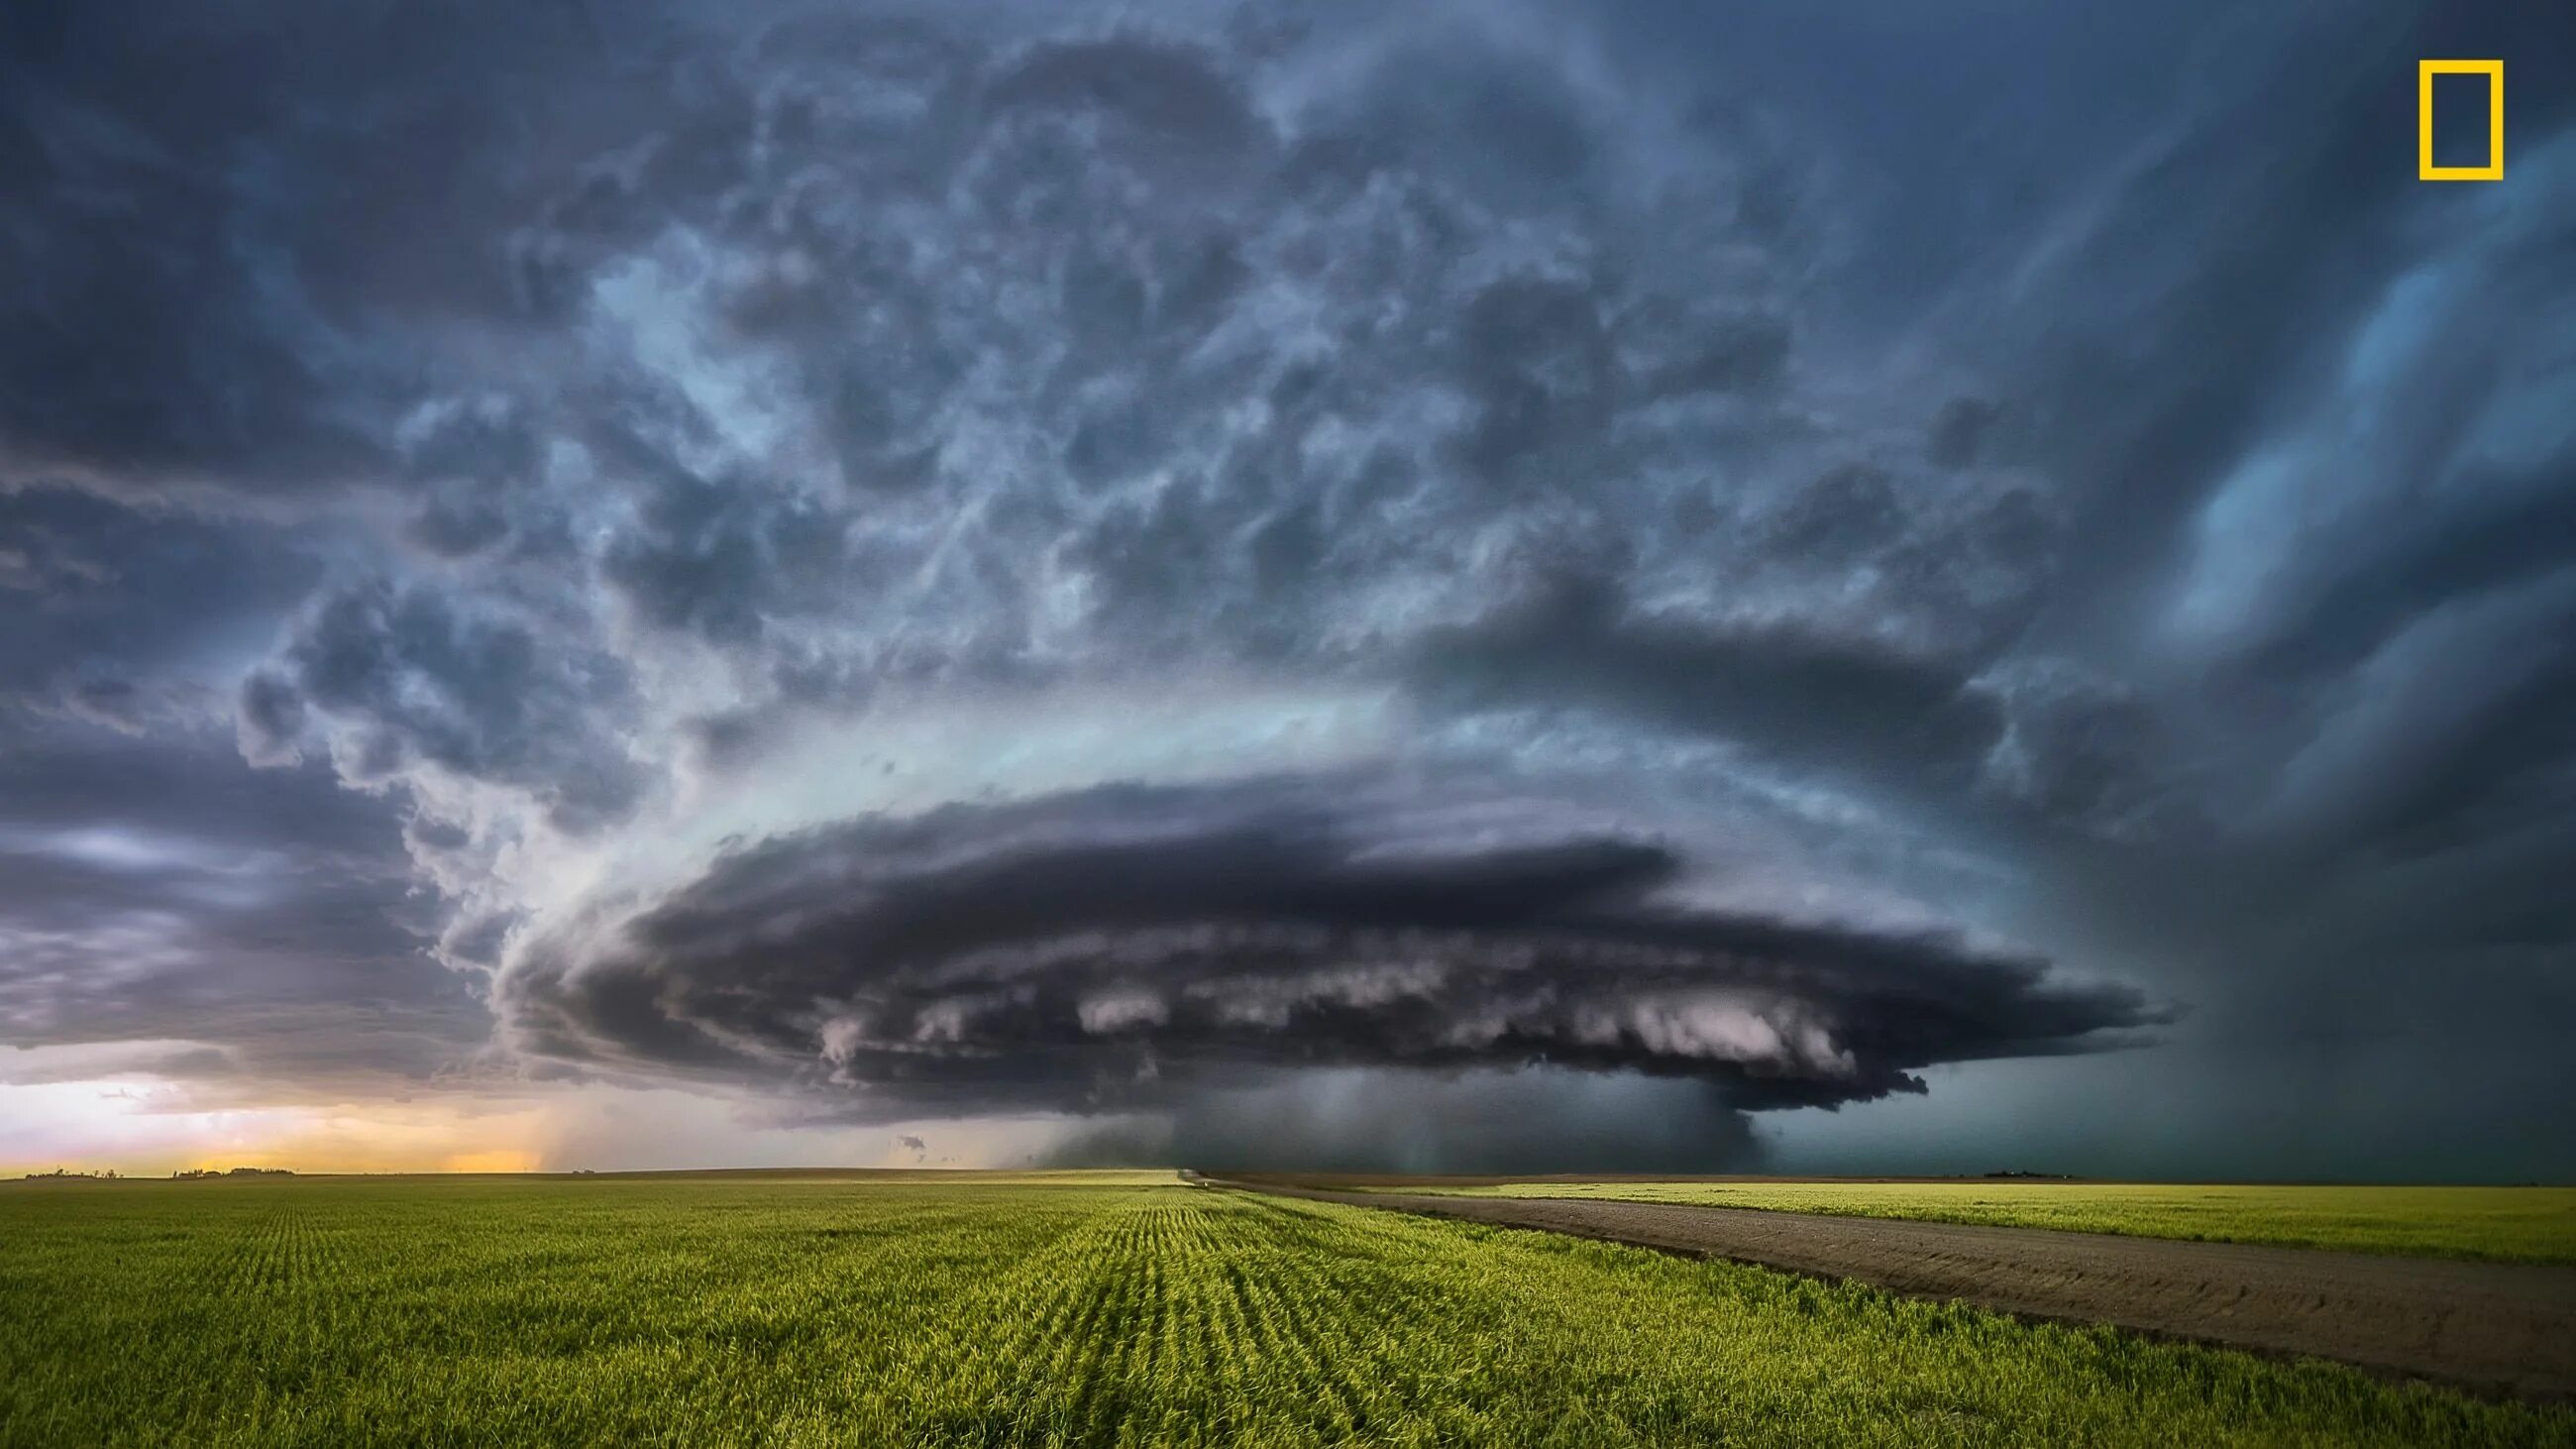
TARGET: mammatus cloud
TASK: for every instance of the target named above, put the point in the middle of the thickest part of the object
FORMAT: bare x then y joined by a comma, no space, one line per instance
1117,947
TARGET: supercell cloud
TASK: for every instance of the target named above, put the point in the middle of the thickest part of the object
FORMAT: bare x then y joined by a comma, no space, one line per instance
1123,945
1606,567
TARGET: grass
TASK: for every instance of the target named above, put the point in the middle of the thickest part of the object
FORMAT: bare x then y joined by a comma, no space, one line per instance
2510,1224
737,1311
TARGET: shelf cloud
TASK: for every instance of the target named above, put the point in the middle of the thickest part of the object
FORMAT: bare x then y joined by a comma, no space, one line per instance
1113,947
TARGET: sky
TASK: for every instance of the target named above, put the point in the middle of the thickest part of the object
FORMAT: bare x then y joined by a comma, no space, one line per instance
1825,587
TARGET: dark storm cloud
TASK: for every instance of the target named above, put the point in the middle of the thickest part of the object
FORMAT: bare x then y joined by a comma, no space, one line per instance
417,680
2060,463
1803,693
993,426
161,890
1534,1120
2309,418
244,214
155,888
145,596
1116,945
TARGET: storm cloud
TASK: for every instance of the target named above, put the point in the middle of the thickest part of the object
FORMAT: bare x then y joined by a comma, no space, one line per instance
905,560
1116,946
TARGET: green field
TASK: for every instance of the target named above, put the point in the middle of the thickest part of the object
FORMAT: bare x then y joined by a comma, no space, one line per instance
737,1310
2510,1224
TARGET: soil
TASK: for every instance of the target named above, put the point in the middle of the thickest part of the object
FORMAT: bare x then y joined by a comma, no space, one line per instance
2504,1328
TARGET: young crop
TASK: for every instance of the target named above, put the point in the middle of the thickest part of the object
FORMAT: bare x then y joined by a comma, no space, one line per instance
716,1311
2513,1224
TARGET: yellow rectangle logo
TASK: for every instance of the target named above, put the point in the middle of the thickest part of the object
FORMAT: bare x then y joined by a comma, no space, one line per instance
2493,70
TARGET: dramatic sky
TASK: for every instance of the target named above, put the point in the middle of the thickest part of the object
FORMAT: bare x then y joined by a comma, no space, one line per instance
1860,586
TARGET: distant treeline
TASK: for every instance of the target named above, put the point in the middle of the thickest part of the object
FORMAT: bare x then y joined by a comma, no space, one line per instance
111,1174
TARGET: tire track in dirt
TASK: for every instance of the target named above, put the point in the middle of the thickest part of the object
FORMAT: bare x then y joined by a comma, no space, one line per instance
2505,1328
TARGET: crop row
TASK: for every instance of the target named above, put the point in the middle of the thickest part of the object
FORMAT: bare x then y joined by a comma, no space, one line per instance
715,1312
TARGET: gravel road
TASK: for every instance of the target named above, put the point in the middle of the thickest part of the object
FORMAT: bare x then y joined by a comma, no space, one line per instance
2496,1327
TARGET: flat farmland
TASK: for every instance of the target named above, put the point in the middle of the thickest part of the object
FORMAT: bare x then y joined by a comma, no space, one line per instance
747,1309
2499,1327
2504,1224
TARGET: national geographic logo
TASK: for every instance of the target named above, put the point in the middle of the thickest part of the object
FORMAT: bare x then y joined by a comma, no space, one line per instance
2493,73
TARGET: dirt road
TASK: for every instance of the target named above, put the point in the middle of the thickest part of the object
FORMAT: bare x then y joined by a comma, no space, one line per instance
2497,1327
